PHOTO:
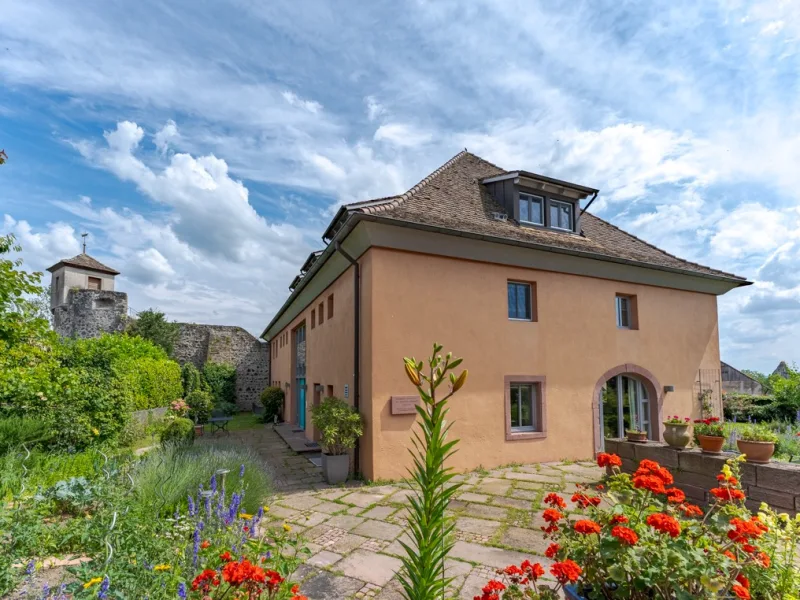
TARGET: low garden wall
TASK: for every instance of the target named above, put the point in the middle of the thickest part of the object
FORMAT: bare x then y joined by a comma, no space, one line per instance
776,483
142,415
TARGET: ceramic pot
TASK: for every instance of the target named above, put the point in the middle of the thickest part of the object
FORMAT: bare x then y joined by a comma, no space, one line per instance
756,452
635,436
711,444
199,430
335,468
677,435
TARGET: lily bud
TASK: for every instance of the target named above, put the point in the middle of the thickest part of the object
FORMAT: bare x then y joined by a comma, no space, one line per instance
413,375
460,381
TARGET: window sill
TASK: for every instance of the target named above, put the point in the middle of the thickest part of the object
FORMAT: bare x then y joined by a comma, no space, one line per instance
513,436
521,320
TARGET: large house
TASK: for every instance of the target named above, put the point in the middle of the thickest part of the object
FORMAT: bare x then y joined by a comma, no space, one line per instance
572,330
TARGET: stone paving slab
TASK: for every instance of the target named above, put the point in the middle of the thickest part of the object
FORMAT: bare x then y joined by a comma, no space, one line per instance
477,526
370,567
363,499
379,512
486,555
346,522
327,586
324,558
378,530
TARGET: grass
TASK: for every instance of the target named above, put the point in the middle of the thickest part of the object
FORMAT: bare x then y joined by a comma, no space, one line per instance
244,421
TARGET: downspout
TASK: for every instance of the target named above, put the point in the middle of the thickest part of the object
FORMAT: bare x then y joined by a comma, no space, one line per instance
594,197
356,343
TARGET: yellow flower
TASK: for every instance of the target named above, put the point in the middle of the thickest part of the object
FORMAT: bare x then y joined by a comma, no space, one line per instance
266,508
245,516
95,431
162,568
91,582
286,528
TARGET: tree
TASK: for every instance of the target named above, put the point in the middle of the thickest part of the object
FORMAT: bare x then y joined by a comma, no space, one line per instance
19,318
152,325
766,386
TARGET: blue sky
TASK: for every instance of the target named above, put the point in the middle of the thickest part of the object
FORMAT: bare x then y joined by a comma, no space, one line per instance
205,145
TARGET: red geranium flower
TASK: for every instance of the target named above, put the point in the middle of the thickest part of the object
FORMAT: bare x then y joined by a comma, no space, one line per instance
493,586
664,524
205,580
746,530
226,556
648,482
625,535
744,581
727,494
566,572
740,592
675,495
691,510
617,519
608,460
534,570
587,527
552,550
551,515
205,544
237,573
554,500
583,500
763,559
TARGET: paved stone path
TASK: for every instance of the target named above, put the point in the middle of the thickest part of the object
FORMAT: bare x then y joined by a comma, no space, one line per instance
354,531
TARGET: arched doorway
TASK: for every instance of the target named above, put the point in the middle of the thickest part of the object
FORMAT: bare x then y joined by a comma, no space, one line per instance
626,397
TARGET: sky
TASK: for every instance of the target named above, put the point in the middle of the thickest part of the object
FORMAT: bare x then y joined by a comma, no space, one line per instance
205,145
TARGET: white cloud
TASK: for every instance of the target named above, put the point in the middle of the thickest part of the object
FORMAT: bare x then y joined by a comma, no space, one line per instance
43,248
148,267
374,108
402,134
165,136
297,101
752,228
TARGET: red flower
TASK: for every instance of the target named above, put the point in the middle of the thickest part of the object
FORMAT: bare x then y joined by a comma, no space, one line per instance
552,550
729,480
608,460
551,515
675,495
550,528
730,555
691,510
583,500
650,483
205,544
534,570
566,572
763,559
600,487
587,527
740,592
745,583
237,573
625,535
727,494
554,500
746,530
664,524
226,556
493,586
205,580
617,519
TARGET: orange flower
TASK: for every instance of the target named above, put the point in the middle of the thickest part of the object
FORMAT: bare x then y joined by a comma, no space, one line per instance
648,482
205,580
608,460
625,535
205,544
554,500
651,467
226,556
552,550
566,572
583,500
237,573
740,592
587,527
617,519
691,510
664,524
551,515
730,555
727,494
534,570
746,530
743,581
675,496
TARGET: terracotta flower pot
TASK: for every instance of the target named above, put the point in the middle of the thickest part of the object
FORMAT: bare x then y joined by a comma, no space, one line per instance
677,435
636,436
711,444
756,452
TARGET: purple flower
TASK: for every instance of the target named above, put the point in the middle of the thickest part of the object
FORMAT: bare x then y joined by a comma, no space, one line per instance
196,546
241,471
260,514
30,568
191,506
103,591
181,590
214,482
45,591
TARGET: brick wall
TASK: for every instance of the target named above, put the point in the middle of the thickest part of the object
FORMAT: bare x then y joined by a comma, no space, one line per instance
776,483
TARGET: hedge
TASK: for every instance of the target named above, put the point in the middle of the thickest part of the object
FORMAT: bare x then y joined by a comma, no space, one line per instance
153,382
221,378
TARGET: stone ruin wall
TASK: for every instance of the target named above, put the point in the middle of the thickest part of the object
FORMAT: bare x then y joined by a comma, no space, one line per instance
90,313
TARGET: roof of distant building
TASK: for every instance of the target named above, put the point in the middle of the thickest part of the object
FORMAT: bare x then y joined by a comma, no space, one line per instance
84,261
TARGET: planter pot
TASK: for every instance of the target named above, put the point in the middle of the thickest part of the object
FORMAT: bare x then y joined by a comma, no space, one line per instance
335,468
711,444
199,430
677,435
633,436
756,452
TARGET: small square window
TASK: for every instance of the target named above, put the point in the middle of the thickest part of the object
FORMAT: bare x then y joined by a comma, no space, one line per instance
313,318
520,302
330,307
561,215
525,407
530,209
627,317
95,283
321,312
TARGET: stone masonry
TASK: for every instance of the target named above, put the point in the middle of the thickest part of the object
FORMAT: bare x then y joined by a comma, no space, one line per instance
199,344
89,313
776,483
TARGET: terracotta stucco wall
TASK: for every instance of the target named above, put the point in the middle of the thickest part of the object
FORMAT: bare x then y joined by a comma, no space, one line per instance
418,299
329,350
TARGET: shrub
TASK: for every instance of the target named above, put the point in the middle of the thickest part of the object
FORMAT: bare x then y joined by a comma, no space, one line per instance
221,379
15,431
272,399
226,408
192,379
757,433
178,431
153,382
200,404
72,496
179,408
741,407
164,478
709,426
152,325
339,425
133,431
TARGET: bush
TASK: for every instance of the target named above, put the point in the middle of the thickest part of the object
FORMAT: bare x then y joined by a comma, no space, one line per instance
200,404
741,407
272,399
226,408
179,431
757,433
339,425
153,382
192,379
184,469
15,431
221,379
152,325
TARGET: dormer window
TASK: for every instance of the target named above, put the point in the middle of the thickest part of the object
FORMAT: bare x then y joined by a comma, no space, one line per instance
561,215
531,209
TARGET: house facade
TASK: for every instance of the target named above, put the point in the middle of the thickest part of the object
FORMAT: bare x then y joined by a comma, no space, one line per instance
572,330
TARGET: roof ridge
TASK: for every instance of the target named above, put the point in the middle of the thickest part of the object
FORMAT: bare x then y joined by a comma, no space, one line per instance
654,247
398,200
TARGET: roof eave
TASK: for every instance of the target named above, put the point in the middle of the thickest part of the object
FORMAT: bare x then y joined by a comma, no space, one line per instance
531,175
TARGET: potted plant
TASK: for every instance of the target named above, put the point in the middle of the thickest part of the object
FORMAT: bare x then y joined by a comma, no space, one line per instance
676,432
708,433
635,537
636,435
757,443
339,427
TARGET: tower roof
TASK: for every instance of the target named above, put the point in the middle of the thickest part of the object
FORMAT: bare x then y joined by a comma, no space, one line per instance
83,261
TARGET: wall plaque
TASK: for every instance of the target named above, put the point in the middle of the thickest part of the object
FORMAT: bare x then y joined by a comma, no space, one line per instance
404,405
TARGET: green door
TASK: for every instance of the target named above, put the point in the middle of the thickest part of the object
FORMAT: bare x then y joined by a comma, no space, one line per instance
301,403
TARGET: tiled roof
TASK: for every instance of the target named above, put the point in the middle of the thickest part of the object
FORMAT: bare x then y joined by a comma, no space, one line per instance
84,261
452,197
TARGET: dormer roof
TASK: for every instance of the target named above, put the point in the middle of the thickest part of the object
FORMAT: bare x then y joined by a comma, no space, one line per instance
83,261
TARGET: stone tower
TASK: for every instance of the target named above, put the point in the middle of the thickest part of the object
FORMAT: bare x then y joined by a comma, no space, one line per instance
83,299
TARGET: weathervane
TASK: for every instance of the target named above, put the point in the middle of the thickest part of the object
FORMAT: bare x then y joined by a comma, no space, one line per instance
84,235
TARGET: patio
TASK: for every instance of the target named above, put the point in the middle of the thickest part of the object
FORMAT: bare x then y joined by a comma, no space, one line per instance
354,532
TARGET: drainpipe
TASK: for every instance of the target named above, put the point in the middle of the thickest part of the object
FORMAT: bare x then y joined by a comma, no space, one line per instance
594,197
356,342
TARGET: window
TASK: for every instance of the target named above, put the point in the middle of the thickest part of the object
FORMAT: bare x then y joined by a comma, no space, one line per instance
525,407
330,307
321,312
626,312
530,209
561,215
313,318
520,306
95,283
329,392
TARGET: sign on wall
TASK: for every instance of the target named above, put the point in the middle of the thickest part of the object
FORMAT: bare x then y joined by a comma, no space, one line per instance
346,390
404,405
